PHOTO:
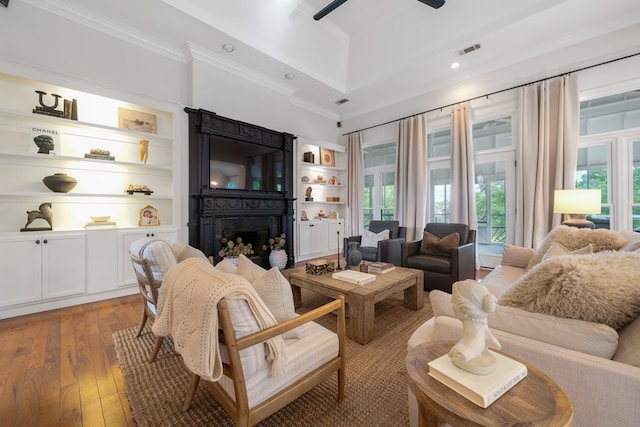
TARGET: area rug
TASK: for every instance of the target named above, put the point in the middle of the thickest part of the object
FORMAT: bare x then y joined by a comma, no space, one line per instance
375,392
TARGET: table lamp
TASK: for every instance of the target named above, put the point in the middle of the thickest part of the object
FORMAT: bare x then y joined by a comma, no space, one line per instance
575,205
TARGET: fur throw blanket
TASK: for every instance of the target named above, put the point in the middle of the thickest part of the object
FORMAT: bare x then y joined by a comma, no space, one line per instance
574,238
188,312
601,288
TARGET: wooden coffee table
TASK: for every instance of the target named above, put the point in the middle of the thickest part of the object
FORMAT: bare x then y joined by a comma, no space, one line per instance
361,298
534,401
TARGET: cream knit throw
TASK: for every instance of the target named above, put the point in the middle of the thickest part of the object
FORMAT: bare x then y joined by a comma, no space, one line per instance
188,312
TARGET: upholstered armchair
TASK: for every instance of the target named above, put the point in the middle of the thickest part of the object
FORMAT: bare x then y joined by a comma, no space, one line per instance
375,246
446,254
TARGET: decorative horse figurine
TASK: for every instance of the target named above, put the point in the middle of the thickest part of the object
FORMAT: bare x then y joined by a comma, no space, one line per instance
44,212
472,302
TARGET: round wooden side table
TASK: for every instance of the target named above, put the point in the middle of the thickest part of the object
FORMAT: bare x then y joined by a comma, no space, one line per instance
534,401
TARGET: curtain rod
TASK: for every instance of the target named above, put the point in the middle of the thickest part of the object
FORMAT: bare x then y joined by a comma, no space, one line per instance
496,92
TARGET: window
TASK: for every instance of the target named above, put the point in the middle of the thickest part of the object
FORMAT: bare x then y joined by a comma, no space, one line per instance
379,182
609,157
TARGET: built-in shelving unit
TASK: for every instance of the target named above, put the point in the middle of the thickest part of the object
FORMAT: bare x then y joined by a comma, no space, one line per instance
77,261
320,218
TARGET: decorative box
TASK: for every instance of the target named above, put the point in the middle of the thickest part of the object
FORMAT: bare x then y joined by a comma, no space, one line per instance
320,266
333,199
308,157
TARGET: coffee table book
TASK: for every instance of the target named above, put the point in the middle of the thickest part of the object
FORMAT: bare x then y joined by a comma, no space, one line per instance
482,390
353,276
381,267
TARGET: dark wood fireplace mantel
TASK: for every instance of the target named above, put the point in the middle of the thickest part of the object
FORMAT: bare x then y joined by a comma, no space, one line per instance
216,213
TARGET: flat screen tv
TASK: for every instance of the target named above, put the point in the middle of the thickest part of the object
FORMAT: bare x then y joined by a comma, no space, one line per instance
238,165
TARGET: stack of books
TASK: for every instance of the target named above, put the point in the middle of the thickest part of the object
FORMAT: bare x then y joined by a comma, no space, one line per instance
380,267
355,277
482,390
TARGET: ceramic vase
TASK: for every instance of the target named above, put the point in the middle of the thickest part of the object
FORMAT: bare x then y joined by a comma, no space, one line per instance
353,253
60,182
278,259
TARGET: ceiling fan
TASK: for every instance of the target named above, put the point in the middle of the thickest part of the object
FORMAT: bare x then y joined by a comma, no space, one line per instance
436,4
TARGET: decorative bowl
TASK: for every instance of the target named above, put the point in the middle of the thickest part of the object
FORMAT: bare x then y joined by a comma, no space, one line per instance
100,218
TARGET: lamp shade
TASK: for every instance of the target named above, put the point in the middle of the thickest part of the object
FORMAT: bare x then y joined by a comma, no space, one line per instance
581,202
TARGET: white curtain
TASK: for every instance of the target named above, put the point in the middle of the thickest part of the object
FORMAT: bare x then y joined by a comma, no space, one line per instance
355,186
463,195
411,175
547,159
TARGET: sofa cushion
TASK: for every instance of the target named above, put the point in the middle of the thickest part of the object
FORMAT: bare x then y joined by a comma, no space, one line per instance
249,269
516,256
371,239
501,278
557,249
227,266
629,344
586,337
574,238
434,245
183,251
600,288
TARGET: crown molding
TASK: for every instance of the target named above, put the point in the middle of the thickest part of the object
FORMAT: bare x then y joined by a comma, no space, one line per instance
109,27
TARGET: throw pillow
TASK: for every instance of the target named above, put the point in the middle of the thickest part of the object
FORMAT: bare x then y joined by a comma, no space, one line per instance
599,288
275,291
183,251
433,245
628,349
248,269
371,239
226,267
516,256
574,238
556,249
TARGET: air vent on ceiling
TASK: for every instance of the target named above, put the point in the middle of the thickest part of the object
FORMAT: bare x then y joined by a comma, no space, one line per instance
342,101
469,49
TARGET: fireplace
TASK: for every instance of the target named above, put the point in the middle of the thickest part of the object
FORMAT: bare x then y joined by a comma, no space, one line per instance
254,215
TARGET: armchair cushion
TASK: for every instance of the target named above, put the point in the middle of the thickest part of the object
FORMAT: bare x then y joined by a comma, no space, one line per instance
371,239
157,252
435,245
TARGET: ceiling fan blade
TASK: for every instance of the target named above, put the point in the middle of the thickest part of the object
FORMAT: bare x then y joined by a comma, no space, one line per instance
328,9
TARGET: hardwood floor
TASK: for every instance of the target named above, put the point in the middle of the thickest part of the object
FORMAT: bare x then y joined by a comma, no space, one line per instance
59,367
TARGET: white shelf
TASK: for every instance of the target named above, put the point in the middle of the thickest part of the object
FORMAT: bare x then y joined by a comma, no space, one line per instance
116,163
322,203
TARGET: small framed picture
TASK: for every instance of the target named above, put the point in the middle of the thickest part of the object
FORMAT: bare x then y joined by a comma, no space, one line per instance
303,216
149,216
327,157
137,120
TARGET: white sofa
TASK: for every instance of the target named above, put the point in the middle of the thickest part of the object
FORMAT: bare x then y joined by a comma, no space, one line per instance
597,366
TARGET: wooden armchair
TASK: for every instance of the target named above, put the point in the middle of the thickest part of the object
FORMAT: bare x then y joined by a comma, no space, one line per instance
386,250
443,268
250,397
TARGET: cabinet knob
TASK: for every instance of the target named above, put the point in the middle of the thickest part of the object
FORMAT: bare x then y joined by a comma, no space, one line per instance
38,242
46,241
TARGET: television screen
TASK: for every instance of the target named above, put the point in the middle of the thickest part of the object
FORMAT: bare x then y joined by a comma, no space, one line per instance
244,166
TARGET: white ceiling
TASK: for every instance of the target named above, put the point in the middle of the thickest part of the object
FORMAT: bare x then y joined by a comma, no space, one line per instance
373,52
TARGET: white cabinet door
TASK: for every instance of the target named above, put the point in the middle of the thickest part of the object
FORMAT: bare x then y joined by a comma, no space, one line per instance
126,276
63,264
21,267
102,259
313,238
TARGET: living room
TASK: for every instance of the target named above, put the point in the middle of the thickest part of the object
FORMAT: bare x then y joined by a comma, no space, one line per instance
83,47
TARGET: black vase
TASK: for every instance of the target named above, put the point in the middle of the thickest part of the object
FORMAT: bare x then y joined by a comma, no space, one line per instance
354,254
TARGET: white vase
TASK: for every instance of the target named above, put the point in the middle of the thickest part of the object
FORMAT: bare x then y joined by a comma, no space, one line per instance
278,259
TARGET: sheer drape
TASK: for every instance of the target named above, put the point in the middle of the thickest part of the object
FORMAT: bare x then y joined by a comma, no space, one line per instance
355,188
463,196
411,175
548,133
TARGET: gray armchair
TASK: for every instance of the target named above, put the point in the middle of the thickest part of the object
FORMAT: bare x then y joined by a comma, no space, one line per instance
386,250
441,270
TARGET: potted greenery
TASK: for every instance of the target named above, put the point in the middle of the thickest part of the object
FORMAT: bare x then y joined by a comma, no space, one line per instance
277,256
231,250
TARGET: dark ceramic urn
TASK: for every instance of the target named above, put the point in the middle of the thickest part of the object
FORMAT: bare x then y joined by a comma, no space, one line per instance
60,182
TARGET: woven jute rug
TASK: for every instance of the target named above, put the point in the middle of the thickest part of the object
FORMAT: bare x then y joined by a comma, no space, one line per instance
375,392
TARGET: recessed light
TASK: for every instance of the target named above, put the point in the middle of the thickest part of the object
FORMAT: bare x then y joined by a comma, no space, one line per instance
455,65
290,76
228,47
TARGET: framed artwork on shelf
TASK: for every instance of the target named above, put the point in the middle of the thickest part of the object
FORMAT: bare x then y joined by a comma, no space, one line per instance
137,120
149,216
327,157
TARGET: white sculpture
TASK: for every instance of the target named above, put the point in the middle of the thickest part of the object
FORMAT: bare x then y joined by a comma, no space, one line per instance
472,302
